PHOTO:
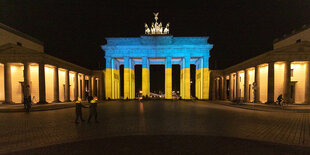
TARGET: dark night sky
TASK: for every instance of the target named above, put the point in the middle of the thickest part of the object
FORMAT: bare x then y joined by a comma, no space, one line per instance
74,30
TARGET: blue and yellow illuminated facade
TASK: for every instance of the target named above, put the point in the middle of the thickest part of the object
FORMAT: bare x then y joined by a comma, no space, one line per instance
149,50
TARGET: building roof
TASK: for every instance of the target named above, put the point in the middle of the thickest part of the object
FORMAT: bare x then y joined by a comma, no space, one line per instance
12,30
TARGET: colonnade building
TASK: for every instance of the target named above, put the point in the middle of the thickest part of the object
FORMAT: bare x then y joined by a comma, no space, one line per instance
284,70
23,62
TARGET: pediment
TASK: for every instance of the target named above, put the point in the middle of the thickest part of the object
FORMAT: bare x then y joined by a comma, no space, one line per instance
295,49
8,49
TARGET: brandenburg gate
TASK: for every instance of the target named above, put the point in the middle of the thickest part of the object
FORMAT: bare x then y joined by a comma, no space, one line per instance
157,47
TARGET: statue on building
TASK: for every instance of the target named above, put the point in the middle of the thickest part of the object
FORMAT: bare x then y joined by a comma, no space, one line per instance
156,28
147,29
166,30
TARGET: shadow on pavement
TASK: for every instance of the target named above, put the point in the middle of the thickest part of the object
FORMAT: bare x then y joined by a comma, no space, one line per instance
171,144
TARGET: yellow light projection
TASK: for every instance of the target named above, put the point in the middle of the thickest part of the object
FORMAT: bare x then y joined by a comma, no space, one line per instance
168,83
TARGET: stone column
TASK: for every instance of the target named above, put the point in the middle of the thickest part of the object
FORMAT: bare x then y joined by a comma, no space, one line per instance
83,87
108,78
238,95
27,79
225,88
56,85
7,83
222,88
76,89
145,77
231,87
67,86
187,78
205,78
287,80
168,78
42,94
246,85
257,81
307,95
127,75
132,78
270,97
91,86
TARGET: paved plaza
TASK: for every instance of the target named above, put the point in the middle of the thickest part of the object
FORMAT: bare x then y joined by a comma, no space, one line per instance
156,126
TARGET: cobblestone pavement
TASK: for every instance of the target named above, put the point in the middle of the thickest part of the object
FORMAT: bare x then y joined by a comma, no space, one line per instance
35,107
21,131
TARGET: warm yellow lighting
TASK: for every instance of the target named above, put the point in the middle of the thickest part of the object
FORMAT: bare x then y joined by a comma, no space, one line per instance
13,69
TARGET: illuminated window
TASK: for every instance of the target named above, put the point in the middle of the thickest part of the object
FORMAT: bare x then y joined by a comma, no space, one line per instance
292,72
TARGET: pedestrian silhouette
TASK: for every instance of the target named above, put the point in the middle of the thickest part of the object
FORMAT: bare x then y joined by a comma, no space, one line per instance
27,98
279,99
93,109
89,98
78,110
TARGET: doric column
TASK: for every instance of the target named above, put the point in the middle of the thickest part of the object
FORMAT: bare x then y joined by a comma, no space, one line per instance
83,87
257,81
225,88
217,88
270,82
56,85
231,87
145,77
42,94
187,78
222,88
287,80
129,83
206,78
96,90
91,86
307,95
198,78
67,86
182,79
27,79
246,85
133,82
168,78
7,83
108,78
76,89
100,96
238,90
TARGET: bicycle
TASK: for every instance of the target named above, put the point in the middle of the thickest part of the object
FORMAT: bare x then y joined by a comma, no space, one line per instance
283,103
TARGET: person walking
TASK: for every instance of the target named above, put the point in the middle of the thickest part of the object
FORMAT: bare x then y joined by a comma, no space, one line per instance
89,98
93,109
78,110
279,99
27,98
